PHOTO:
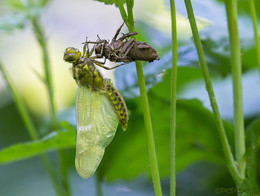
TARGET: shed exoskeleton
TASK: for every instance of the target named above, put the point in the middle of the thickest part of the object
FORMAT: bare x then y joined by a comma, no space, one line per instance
124,49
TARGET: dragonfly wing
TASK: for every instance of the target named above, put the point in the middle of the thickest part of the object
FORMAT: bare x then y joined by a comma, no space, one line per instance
96,126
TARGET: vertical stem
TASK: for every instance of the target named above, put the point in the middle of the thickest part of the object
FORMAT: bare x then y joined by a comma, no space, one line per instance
231,9
20,106
122,11
42,41
254,20
98,184
145,104
173,100
46,62
31,129
225,145
149,130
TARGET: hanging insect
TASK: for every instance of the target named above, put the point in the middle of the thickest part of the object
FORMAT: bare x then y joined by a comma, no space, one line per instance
99,106
123,49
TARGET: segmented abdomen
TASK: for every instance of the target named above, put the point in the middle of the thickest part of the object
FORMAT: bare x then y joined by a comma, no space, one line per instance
117,102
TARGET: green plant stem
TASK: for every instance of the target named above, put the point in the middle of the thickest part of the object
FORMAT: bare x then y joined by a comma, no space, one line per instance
31,129
38,31
231,9
225,145
98,185
149,130
254,20
146,111
122,11
173,100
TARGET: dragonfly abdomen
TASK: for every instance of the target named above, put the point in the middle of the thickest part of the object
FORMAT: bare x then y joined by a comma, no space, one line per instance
117,102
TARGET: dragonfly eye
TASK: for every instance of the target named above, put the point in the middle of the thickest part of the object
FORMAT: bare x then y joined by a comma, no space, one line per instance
71,55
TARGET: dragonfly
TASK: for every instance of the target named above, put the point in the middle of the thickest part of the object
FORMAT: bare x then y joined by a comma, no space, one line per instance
99,107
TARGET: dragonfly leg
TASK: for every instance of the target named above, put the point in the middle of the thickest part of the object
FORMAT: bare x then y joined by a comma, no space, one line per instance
127,35
102,49
97,42
97,57
117,32
119,65
86,52
91,52
108,68
127,47
101,52
100,64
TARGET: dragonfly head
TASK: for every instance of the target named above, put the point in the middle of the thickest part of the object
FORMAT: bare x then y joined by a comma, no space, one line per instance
71,55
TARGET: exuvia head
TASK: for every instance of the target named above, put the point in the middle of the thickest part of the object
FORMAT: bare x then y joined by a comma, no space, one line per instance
99,46
71,55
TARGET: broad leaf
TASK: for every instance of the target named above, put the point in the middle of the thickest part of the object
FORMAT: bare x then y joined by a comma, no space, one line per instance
197,140
252,151
53,141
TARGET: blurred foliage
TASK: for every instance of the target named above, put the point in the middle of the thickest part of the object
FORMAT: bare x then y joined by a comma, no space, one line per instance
21,12
197,137
243,7
55,140
252,152
196,140
110,2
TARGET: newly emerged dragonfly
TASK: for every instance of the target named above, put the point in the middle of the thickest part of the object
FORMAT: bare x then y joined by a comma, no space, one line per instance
99,106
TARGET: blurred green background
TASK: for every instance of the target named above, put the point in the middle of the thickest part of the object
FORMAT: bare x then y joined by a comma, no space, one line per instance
125,168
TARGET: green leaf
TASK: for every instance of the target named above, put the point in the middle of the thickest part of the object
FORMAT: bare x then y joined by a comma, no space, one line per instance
197,135
197,140
252,149
16,5
22,11
53,141
20,5
249,58
110,2
185,75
